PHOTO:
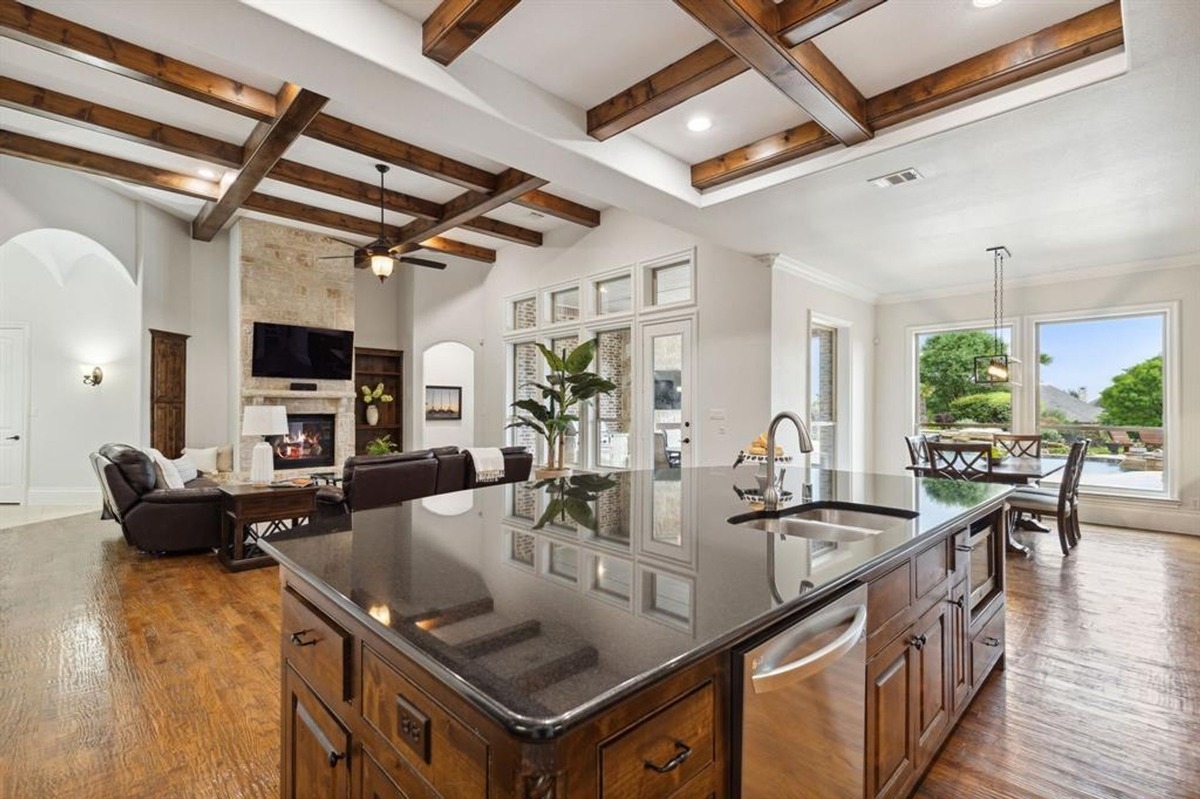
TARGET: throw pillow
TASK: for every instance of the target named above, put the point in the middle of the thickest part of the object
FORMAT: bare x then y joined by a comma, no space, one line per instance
167,473
186,468
225,458
204,458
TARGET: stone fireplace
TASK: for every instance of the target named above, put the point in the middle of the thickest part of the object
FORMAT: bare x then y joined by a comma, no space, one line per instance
309,443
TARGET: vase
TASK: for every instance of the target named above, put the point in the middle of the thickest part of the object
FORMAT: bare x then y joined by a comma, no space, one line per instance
372,415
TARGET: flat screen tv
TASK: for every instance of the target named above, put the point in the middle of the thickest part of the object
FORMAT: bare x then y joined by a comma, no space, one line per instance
301,352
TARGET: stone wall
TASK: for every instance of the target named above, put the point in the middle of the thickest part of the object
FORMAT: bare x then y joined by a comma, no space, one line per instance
283,280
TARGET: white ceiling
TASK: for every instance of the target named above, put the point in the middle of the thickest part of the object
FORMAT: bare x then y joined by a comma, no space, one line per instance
1105,174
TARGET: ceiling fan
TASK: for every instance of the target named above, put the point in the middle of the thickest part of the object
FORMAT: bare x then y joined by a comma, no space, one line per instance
379,254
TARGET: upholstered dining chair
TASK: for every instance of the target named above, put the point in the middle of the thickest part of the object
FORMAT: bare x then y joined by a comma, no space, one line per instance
960,461
1020,446
917,454
1064,503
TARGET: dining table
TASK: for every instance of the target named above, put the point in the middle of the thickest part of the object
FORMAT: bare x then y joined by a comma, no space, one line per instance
1014,470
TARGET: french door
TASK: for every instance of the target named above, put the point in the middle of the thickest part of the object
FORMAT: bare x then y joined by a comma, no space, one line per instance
667,388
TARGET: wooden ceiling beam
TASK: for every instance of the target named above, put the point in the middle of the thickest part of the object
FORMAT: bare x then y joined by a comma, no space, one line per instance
504,230
559,207
1071,40
93,116
750,28
802,20
382,147
697,72
356,225
46,152
455,25
510,184
66,38
265,145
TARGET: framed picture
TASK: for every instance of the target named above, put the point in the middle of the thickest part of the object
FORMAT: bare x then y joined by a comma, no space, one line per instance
443,402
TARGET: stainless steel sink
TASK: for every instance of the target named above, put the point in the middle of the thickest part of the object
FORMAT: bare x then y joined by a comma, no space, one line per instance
825,523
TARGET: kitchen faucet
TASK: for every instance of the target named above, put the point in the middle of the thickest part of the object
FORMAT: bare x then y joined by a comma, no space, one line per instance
771,492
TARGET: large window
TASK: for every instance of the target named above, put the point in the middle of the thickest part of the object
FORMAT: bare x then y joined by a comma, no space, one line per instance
613,411
822,392
526,370
1102,378
949,402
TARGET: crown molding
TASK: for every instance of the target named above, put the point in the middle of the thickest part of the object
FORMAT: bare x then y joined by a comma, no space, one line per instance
789,265
1051,278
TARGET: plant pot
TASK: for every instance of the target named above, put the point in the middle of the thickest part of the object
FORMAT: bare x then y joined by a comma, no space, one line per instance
547,473
372,415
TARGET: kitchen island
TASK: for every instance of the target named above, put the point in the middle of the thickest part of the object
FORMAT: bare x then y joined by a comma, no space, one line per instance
577,637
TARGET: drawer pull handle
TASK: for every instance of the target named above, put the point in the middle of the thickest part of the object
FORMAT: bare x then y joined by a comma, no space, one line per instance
990,641
298,638
958,602
964,547
685,752
334,757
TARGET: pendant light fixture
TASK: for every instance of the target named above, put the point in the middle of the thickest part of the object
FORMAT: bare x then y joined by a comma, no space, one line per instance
997,368
381,256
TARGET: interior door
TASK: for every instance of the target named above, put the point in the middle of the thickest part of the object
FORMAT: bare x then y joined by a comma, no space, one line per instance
13,413
667,435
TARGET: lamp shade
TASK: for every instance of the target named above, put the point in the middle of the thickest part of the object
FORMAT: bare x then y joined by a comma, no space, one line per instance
264,420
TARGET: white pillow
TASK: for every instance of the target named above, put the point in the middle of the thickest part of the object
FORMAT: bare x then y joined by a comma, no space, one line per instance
167,473
205,459
186,468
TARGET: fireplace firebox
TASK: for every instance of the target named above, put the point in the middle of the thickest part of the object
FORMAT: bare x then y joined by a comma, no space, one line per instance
309,442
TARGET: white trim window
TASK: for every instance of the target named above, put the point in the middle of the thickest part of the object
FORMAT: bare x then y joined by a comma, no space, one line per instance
823,393
669,282
945,397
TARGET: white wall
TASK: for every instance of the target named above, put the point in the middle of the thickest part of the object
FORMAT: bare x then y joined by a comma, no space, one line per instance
81,308
209,412
795,300
449,363
733,332
894,372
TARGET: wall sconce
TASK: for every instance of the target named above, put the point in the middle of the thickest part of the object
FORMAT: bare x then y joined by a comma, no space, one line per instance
94,377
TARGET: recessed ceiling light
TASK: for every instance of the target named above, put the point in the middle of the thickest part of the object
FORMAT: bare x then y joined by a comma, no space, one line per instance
897,178
206,173
699,124
986,3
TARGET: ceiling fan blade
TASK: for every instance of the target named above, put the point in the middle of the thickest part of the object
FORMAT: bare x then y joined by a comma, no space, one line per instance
335,257
408,259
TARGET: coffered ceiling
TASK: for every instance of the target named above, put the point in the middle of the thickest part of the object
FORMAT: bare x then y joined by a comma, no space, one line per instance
1069,141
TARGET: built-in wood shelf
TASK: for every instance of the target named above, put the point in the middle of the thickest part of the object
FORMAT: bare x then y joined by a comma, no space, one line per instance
372,367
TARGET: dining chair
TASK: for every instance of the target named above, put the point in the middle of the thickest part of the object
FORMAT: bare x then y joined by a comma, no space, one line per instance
917,454
960,461
1064,503
1020,446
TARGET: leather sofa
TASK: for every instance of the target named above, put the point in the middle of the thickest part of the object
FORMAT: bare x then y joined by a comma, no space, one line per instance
156,519
375,481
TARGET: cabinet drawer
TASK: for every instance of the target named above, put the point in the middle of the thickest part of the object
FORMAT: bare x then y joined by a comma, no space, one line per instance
888,600
987,646
440,748
395,781
932,567
281,505
316,646
678,740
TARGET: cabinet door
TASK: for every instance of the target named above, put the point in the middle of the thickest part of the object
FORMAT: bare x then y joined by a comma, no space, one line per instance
891,723
960,654
932,679
315,746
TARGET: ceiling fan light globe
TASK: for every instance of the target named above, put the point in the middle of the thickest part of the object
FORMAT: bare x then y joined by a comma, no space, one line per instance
381,266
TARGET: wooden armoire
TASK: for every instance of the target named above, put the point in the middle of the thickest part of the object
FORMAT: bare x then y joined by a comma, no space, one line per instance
168,391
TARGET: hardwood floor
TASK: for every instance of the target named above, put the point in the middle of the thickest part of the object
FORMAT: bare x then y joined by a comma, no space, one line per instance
124,676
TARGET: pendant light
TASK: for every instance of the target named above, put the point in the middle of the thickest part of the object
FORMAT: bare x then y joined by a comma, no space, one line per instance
381,256
997,368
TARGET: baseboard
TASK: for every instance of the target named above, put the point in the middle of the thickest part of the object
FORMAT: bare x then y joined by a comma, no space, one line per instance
1138,516
63,496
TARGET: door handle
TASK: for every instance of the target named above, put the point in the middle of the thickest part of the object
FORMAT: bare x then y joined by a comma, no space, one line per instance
686,441
12,438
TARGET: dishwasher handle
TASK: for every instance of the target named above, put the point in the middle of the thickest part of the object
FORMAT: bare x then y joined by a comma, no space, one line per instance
775,677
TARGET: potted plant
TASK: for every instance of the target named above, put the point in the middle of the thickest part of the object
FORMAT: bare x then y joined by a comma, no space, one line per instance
568,383
371,396
381,446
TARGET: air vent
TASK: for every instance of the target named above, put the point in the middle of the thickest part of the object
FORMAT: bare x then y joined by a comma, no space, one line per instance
896,178
536,214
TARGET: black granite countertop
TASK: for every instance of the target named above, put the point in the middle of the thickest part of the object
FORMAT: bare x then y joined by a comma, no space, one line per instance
543,604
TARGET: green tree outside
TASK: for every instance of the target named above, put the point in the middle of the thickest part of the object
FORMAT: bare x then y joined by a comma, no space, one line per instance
1135,398
947,367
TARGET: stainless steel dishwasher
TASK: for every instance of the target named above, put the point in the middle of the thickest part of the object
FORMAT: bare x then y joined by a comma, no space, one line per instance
803,706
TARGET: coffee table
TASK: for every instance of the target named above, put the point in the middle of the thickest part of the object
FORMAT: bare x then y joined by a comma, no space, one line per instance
250,512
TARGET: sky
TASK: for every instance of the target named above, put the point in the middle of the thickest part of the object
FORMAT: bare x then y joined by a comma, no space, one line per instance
1091,353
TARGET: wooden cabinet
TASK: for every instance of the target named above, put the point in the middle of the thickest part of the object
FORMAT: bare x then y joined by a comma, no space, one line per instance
372,367
168,392
315,745
891,723
931,680
960,664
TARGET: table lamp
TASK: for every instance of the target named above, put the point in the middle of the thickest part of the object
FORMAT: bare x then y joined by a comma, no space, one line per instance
263,420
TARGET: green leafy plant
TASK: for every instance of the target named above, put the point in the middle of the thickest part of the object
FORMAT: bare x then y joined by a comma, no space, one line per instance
573,497
381,446
1135,397
376,394
994,407
568,383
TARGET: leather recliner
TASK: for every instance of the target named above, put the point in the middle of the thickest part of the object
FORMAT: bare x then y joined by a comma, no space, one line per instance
156,519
